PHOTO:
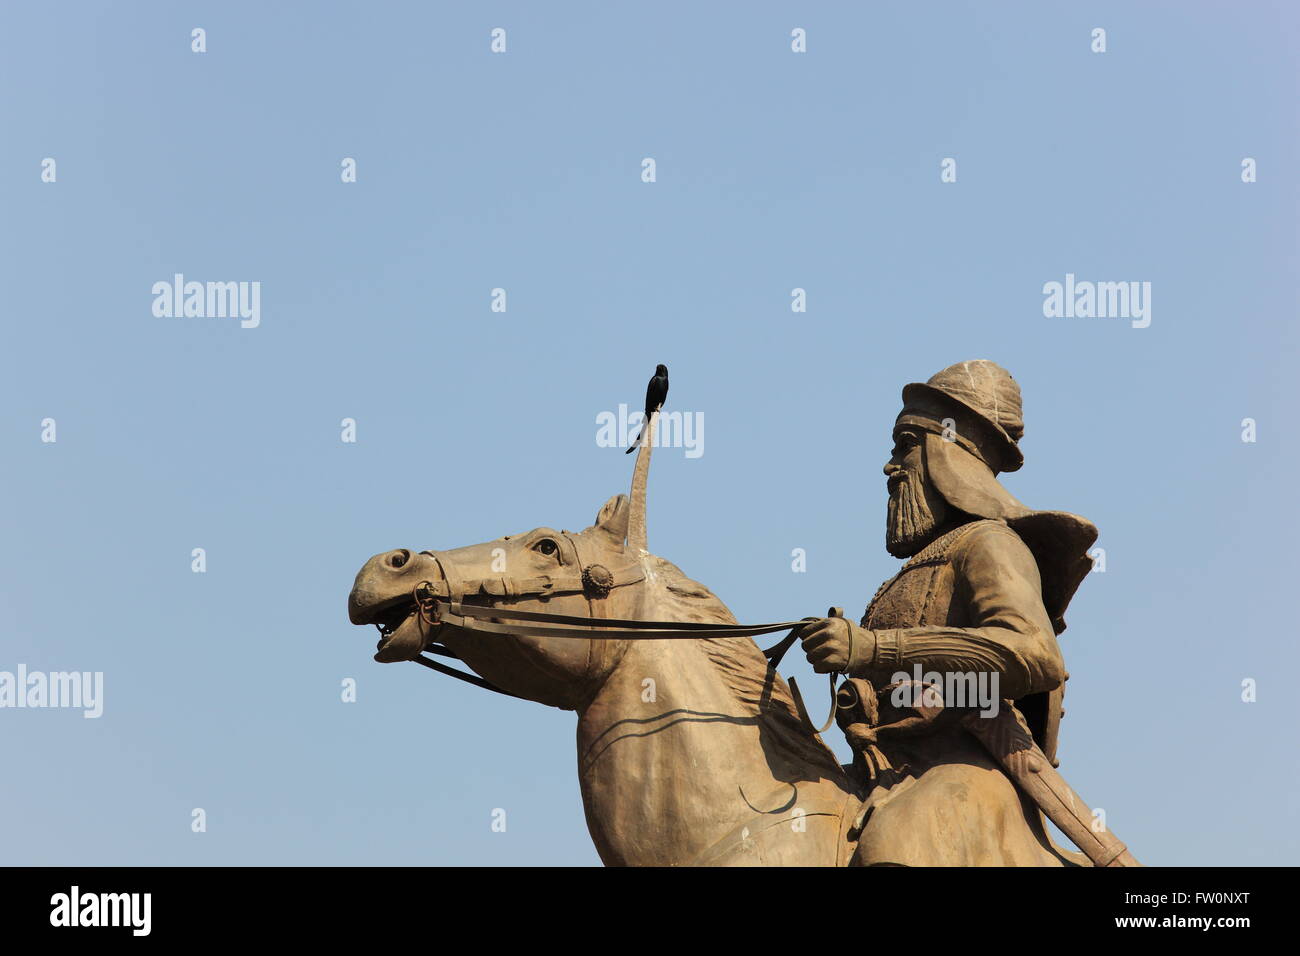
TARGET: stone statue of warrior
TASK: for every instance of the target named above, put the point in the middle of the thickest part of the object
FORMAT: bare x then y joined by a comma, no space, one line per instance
983,592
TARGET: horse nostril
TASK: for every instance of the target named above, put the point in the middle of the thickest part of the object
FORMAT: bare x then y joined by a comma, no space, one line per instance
398,558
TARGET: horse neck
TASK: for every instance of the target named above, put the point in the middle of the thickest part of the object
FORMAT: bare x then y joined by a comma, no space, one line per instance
671,759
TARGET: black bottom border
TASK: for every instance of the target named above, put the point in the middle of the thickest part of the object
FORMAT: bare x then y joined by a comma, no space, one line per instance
372,904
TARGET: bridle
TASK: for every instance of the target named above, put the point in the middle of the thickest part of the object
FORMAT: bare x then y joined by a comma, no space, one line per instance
441,603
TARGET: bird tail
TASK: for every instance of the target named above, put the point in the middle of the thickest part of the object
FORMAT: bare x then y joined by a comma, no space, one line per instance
635,442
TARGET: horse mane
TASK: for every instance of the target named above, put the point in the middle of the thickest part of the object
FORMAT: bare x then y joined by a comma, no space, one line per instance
741,665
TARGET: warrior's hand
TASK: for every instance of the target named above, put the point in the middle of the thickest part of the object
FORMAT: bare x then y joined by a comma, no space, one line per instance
836,644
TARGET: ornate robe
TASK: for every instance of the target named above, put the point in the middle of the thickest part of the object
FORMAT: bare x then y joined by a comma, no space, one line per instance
969,602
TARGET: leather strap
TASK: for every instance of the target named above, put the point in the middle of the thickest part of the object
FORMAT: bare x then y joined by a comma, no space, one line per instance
461,675
802,709
536,586
440,602
472,617
799,706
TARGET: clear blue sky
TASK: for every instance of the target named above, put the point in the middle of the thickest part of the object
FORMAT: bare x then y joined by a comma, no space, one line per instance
522,171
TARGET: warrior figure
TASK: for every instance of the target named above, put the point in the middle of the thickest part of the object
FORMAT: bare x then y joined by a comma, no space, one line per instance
979,602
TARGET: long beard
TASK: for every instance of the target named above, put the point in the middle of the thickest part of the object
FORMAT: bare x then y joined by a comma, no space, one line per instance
911,522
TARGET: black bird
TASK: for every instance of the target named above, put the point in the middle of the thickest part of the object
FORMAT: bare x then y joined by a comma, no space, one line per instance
655,395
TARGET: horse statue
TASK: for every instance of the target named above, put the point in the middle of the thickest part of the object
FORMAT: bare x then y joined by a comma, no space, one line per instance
690,751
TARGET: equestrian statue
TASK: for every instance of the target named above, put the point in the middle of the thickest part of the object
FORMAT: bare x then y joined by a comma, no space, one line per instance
693,750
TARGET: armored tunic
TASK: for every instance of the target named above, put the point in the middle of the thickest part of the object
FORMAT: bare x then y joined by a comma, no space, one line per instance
969,602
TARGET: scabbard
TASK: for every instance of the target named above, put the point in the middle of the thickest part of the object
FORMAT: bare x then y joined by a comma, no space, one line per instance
1008,738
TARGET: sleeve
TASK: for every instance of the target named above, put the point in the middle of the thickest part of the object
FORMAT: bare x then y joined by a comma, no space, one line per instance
996,575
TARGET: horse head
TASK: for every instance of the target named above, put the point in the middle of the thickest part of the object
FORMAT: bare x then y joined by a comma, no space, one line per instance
559,572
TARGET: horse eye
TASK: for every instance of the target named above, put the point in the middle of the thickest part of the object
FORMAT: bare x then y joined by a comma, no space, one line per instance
545,546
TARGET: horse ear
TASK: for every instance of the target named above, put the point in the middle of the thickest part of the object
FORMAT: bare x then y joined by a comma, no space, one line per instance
636,535
613,518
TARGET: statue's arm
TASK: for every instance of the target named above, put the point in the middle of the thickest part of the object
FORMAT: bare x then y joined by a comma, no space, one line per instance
1011,634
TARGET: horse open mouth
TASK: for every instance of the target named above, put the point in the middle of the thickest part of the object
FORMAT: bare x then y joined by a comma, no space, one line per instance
401,636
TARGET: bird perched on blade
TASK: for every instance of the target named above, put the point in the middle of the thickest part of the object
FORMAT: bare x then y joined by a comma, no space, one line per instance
655,395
